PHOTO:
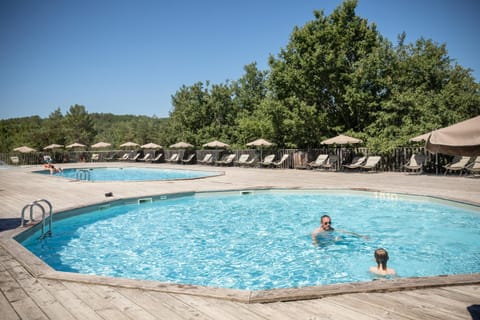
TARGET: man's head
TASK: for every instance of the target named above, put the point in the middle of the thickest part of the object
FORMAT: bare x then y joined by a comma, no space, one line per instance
326,222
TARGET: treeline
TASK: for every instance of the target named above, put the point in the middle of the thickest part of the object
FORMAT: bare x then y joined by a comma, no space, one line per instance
337,74
77,125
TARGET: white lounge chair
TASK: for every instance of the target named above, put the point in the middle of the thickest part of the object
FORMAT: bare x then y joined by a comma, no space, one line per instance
318,162
474,167
415,163
372,163
189,159
356,163
227,160
267,161
173,158
208,158
242,160
330,163
280,162
458,163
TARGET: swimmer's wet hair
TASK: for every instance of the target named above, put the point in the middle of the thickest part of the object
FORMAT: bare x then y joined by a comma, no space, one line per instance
381,256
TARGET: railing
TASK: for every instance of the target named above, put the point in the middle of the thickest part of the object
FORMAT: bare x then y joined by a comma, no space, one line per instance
38,204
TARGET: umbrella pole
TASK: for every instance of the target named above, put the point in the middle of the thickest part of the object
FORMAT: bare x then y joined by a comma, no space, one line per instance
436,164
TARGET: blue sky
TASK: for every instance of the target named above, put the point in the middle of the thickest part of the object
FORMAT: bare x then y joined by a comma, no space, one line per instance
130,57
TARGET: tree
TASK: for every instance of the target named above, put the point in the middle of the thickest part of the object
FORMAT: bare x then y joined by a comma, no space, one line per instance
79,125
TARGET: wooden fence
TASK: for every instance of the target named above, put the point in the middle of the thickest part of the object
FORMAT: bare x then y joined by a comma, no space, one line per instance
297,158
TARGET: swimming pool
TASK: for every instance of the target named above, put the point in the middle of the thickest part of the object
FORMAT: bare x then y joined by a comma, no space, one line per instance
130,174
261,239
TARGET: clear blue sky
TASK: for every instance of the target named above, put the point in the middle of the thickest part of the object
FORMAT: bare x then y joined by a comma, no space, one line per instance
130,57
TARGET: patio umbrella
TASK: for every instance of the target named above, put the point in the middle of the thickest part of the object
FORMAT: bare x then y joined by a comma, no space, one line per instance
342,139
215,144
129,144
462,139
421,138
260,143
181,145
24,149
151,145
75,145
53,146
100,145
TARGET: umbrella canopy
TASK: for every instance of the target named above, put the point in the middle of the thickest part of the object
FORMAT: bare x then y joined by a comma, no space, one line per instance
462,139
181,145
75,145
260,143
24,149
420,138
151,145
53,146
100,145
216,144
129,144
342,139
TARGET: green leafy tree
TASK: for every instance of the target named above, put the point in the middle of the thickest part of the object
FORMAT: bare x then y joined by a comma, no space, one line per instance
79,125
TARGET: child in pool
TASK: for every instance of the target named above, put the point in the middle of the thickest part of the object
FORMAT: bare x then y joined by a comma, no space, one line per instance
381,257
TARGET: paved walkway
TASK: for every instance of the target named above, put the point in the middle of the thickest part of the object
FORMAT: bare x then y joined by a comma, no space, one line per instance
28,290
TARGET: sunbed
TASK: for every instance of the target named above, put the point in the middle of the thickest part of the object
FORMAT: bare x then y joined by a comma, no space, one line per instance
318,162
474,167
330,163
242,160
356,163
415,163
267,161
173,158
459,163
280,162
189,159
227,160
208,158
371,163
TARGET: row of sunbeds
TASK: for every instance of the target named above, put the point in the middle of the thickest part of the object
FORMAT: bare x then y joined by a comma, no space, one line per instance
325,161
245,160
459,164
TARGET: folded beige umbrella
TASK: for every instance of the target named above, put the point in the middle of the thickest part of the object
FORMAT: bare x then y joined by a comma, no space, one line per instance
460,139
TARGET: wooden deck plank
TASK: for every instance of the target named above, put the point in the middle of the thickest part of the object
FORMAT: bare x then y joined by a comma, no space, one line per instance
327,307
7,312
385,301
125,305
98,303
368,310
70,301
176,304
215,308
269,311
151,304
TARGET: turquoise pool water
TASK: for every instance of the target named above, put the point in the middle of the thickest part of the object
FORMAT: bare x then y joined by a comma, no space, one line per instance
262,240
129,174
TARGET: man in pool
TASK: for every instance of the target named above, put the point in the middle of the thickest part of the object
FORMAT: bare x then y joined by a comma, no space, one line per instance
326,226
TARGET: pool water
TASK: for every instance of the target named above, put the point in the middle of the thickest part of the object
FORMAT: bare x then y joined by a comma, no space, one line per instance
262,240
129,174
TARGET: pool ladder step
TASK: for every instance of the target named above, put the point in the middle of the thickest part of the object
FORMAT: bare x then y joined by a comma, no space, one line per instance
46,228
83,174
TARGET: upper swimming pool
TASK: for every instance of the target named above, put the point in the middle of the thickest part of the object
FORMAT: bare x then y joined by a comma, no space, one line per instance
130,174
262,239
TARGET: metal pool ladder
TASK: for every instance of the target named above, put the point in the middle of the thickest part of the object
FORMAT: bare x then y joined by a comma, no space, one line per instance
83,174
40,203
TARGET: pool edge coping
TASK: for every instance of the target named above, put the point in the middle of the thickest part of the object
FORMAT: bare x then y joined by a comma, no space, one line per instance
39,269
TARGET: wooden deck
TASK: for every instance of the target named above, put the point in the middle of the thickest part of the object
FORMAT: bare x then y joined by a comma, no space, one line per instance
27,295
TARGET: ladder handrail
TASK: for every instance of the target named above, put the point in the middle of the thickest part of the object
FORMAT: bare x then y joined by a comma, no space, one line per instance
38,203
83,173
49,232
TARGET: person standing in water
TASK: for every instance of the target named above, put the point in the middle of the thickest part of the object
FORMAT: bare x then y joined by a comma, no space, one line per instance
381,257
